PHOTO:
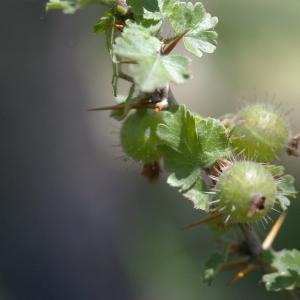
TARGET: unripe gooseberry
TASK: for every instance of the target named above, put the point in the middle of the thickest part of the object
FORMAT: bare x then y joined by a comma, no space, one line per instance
138,136
246,192
261,133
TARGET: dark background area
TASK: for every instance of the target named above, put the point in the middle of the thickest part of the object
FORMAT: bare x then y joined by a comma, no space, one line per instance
77,221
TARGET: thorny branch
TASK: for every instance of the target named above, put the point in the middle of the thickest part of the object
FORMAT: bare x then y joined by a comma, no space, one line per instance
256,248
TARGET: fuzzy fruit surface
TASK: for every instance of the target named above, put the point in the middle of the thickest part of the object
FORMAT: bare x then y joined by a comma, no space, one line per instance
240,185
261,133
138,135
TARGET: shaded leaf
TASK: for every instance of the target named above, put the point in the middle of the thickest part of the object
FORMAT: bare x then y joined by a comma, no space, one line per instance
287,276
183,180
139,6
104,22
214,141
213,265
151,9
286,185
284,202
188,143
286,191
197,195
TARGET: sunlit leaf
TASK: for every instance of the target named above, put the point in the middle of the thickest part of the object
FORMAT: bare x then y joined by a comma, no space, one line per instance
150,70
198,25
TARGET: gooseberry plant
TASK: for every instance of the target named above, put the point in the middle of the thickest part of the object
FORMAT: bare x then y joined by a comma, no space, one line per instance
225,166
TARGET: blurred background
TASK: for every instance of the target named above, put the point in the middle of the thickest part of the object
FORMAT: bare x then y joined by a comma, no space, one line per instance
77,221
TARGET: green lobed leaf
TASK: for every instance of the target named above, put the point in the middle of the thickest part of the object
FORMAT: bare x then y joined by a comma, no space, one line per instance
104,23
284,202
150,19
166,6
286,190
179,141
186,16
276,171
151,69
197,195
183,17
183,180
287,275
286,186
136,43
214,140
198,25
157,71
213,265
190,142
151,9
165,9
149,26
139,6
71,6
192,187
202,38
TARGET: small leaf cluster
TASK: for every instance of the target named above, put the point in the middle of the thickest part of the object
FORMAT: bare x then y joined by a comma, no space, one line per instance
134,35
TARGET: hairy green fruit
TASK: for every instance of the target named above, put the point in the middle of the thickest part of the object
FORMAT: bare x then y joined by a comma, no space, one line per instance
247,192
138,135
261,133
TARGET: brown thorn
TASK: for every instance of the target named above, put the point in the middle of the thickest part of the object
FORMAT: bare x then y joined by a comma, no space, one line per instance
119,26
240,275
267,243
121,106
127,62
161,105
202,221
166,49
293,146
237,263
112,107
151,171
237,248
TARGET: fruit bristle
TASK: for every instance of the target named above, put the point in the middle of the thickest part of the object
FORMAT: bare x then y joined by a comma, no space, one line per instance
247,192
261,133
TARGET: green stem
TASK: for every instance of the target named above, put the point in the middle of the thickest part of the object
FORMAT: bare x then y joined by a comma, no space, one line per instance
252,239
